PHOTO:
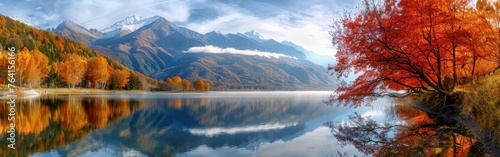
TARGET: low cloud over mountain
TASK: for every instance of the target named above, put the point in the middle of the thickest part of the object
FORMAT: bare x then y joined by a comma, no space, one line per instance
159,48
215,49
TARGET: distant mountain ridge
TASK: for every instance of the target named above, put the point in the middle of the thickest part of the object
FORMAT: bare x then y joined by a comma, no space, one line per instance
76,32
157,47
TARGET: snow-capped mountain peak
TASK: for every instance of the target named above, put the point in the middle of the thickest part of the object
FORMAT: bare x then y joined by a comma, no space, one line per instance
17,18
128,25
253,35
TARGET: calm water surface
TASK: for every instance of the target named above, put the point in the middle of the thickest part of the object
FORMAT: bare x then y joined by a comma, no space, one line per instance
178,124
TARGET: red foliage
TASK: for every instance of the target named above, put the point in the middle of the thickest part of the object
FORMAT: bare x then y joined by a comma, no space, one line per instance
415,46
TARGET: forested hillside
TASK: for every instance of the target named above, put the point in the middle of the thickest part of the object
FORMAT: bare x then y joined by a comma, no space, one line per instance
43,58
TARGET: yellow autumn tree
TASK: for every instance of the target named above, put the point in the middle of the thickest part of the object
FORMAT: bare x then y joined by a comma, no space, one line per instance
37,68
23,58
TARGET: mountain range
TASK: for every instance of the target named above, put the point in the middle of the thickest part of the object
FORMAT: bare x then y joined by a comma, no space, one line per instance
159,48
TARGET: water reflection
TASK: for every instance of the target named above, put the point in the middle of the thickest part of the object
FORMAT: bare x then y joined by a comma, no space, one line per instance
183,124
414,133
47,122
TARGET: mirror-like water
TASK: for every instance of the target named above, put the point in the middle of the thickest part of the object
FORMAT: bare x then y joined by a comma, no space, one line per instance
177,124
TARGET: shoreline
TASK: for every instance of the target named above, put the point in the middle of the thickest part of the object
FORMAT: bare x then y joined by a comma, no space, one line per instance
42,91
84,91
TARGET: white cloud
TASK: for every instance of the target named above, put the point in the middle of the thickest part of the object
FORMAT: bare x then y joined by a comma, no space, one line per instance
215,49
305,23
310,31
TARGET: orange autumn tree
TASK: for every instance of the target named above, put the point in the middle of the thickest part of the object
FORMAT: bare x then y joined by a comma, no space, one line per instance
174,80
491,10
72,69
186,84
425,46
200,85
31,67
4,64
37,68
121,77
23,58
176,83
99,71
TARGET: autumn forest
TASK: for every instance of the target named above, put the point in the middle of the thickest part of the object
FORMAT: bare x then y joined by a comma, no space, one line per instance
406,78
44,59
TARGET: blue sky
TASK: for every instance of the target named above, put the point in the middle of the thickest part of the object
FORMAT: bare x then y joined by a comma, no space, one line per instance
305,22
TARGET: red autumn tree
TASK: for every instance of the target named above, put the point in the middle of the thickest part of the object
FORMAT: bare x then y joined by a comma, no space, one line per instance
415,46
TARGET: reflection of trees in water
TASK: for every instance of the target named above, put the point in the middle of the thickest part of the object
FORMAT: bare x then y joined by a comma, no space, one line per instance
51,121
417,133
163,129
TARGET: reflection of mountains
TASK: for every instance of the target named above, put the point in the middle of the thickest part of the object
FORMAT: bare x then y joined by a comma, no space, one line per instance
51,121
178,125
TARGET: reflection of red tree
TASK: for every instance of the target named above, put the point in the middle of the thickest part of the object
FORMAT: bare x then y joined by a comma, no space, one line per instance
419,135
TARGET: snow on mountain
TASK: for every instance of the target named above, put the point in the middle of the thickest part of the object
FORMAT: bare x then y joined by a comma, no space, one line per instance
17,18
128,25
252,35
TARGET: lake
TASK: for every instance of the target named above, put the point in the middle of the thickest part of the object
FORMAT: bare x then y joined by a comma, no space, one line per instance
178,124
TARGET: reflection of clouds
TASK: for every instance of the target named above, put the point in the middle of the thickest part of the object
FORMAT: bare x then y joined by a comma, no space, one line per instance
92,148
318,142
235,130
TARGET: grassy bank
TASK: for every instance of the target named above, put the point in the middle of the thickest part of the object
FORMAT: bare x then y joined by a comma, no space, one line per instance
482,102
